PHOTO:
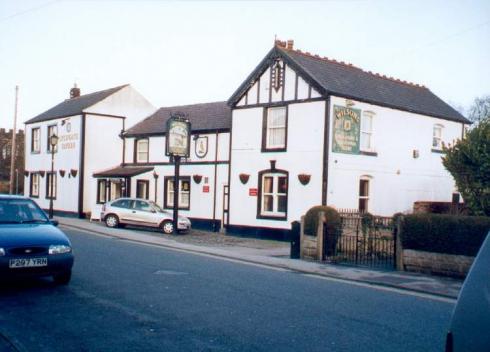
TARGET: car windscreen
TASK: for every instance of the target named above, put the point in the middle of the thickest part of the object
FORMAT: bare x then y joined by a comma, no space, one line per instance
157,207
15,211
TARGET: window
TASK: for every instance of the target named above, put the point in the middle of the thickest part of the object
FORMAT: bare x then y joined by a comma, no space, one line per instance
273,194
184,192
34,186
142,206
115,190
363,195
6,151
122,203
437,137
367,132
52,130
142,189
141,150
51,182
274,131
101,191
35,140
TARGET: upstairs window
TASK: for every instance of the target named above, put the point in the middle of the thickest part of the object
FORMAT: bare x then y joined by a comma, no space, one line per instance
437,132
141,153
367,132
35,140
274,133
184,190
52,130
273,194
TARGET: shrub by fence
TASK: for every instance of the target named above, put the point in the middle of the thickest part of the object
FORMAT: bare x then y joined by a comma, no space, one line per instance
449,234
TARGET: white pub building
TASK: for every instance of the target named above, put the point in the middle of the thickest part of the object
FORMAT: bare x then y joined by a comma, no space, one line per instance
300,131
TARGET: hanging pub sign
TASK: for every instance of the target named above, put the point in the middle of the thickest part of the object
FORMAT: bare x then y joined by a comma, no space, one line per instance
178,136
346,130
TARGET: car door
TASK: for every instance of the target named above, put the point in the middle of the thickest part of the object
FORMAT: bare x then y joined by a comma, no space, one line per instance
123,208
143,213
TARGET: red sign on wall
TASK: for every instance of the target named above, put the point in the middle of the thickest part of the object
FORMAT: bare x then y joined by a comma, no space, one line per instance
205,189
253,192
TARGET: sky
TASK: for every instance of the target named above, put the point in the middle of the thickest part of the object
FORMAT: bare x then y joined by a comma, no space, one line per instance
185,52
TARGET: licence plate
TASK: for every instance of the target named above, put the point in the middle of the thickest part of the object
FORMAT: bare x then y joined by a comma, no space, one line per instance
28,262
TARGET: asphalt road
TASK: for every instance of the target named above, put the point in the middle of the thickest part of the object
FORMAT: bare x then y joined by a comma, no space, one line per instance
132,297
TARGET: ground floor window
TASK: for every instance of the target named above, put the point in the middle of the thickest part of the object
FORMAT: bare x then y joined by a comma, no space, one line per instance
34,185
363,194
51,180
115,190
273,194
142,189
184,190
101,191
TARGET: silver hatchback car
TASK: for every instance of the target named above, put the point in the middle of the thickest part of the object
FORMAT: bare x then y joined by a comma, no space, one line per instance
141,212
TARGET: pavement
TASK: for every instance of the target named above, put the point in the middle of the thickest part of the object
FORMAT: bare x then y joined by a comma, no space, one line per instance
273,254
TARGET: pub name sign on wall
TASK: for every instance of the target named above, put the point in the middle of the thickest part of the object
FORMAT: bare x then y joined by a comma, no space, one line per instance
346,130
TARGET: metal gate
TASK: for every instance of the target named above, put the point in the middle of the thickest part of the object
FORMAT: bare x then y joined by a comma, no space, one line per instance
365,240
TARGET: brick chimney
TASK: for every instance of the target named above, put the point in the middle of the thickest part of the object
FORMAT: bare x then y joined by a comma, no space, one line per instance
290,44
74,92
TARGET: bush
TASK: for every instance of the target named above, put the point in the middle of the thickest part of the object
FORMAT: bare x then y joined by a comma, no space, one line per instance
311,220
449,234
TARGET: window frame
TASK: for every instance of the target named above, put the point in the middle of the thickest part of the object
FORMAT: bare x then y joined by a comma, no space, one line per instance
136,150
274,215
166,197
36,130
48,147
99,182
439,146
265,129
147,185
49,175
366,198
31,184
370,133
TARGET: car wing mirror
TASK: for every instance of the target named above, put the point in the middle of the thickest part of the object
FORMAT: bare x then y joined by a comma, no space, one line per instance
54,222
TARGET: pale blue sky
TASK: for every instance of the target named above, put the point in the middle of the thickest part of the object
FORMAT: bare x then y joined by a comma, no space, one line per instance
190,52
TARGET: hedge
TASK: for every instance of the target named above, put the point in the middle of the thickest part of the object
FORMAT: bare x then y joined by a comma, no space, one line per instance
449,234
311,220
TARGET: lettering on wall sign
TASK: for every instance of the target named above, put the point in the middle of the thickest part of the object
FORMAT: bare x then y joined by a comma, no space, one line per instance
346,130
68,141
253,192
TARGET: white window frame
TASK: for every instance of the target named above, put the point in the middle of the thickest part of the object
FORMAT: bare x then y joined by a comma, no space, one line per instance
34,186
36,140
142,156
51,129
437,135
169,200
54,177
270,128
367,197
367,133
275,194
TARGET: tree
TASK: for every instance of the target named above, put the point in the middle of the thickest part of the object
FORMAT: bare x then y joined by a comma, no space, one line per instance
480,110
468,161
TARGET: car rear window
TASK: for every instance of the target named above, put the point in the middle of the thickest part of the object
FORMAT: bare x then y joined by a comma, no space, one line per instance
122,203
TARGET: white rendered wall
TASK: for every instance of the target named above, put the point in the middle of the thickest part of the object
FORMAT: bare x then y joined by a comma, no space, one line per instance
398,179
303,156
66,158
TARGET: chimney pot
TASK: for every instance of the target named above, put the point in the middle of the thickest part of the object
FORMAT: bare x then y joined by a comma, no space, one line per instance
290,44
74,92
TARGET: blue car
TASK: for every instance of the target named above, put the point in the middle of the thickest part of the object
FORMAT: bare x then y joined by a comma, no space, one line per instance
30,244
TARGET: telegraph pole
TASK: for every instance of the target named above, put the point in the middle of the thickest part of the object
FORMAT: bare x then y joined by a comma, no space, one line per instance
13,148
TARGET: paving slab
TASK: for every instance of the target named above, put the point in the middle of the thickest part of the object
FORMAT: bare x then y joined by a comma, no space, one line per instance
271,253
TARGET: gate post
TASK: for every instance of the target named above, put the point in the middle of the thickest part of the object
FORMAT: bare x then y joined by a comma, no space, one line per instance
320,236
398,244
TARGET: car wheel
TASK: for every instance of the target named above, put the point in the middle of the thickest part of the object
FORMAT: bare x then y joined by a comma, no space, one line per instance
168,227
112,220
63,278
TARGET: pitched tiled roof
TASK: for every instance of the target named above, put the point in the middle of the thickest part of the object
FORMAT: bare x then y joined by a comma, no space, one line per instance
203,117
74,106
123,171
331,77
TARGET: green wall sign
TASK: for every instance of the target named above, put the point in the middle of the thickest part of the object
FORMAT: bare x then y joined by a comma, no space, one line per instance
346,130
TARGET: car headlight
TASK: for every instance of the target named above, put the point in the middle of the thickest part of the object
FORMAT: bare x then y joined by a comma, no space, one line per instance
59,249
2,252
